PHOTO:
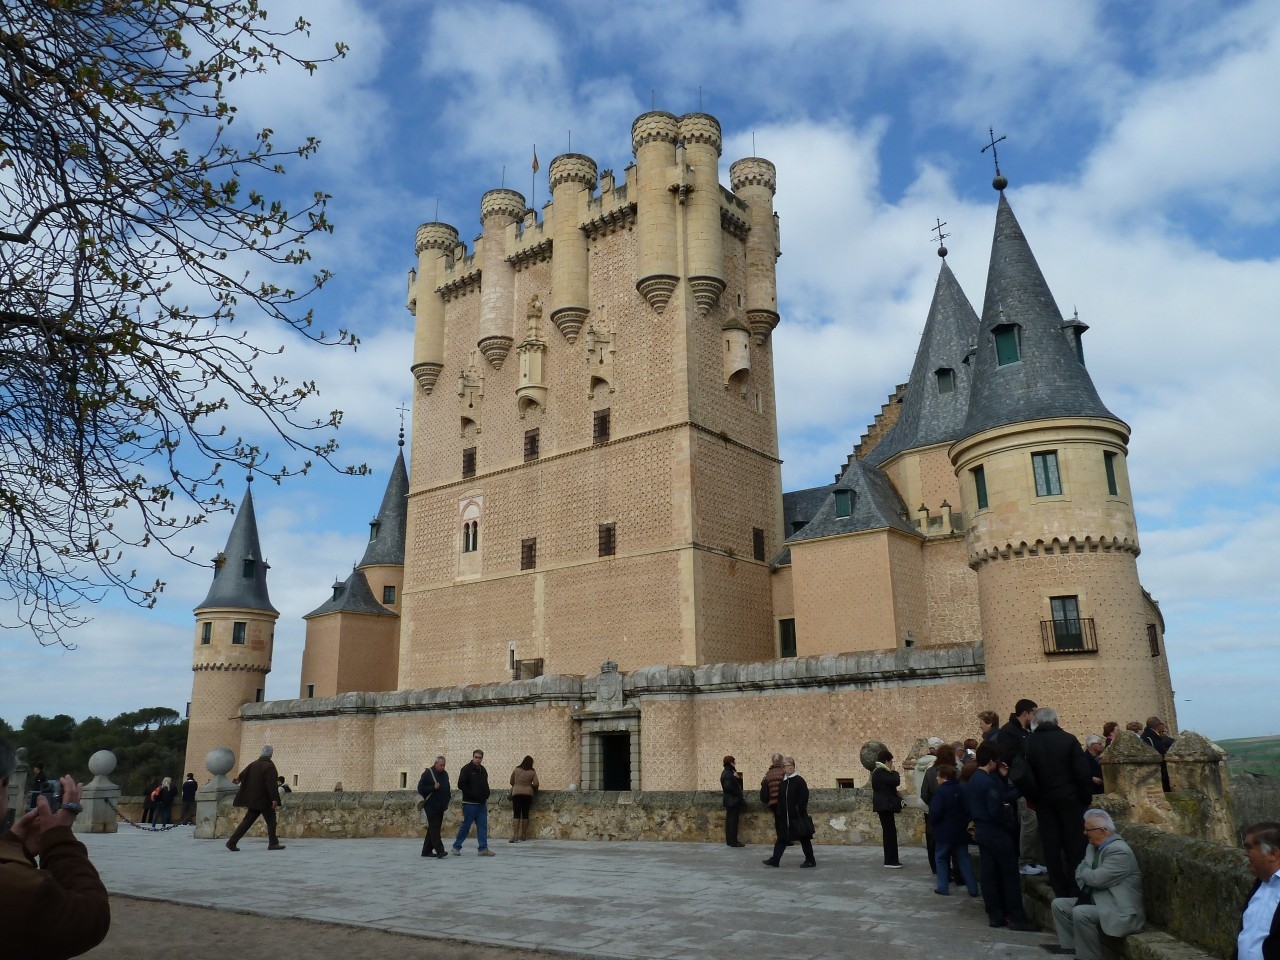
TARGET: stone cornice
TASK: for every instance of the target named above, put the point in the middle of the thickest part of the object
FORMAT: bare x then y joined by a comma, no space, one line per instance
459,286
733,224
534,253
610,220
1051,547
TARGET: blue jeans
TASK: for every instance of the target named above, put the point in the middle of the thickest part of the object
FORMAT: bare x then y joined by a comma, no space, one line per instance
477,813
943,852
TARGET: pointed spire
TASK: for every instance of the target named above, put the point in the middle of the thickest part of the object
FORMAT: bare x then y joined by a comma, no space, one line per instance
386,532
1036,373
240,573
936,400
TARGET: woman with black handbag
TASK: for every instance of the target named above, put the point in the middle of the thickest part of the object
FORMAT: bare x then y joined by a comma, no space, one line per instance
791,818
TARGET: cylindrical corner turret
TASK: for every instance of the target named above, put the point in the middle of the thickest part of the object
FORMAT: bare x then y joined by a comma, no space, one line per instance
573,178
653,139
700,134
499,209
434,245
755,180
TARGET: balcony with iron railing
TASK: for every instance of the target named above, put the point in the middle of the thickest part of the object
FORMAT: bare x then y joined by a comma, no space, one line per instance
1069,636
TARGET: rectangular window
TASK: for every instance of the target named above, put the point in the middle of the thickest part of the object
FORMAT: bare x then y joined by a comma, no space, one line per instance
404,780
469,462
757,543
600,426
980,486
311,693
1045,466
1109,462
388,595
238,631
798,525
531,444
608,537
1008,343
844,503
257,695
247,573
1066,623
946,380
787,637
529,553
1153,639
206,632
295,779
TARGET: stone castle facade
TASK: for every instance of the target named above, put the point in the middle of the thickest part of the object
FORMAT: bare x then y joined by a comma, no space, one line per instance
589,556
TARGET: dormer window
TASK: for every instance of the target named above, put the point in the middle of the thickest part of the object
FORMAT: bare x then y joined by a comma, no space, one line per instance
1077,340
946,380
373,529
1008,337
247,572
844,503
337,589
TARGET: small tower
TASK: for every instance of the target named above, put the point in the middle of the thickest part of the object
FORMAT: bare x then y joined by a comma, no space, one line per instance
1050,523
235,630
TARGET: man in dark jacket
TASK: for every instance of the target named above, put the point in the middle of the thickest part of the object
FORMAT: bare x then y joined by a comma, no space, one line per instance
189,788
259,793
1011,739
990,802
731,787
58,909
1156,736
433,786
1063,789
473,784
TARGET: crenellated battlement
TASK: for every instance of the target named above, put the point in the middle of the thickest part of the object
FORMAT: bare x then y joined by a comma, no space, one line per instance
753,172
435,236
502,202
701,128
654,126
572,168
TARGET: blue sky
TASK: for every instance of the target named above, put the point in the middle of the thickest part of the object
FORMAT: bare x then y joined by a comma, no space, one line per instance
1142,157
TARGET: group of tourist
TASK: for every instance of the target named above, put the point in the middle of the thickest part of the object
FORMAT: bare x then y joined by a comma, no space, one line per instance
473,785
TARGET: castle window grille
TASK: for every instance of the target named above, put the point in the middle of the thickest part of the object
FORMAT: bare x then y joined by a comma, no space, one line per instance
844,503
469,462
787,637
529,553
1048,480
757,543
531,444
946,380
1109,464
206,632
238,631
600,426
980,486
1153,639
388,595
608,539
1008,337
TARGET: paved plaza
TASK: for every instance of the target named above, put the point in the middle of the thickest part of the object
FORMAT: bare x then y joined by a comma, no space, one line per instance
584,899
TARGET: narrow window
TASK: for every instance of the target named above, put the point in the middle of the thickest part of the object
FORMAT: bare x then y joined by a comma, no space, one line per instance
757,543
469,462
531,444
311,693
337,590
404,780
295,779
1109,462
247,572
1153,639
608,537
475,534
238,631
257,695
787,637
844,503
1008,343
1077,340
206,632
1045,467
373,530
1066,623
389,595
471,536
529,553
980,486
511,657
946,380
600,426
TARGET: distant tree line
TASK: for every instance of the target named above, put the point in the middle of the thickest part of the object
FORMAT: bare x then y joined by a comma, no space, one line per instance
149,744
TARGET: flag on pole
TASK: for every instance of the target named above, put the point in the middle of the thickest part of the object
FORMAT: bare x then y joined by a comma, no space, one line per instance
535,158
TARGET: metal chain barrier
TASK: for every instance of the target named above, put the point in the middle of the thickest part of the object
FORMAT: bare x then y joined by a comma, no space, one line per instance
149,827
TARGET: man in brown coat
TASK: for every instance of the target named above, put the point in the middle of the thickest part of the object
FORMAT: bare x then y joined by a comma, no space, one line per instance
261,795
60,908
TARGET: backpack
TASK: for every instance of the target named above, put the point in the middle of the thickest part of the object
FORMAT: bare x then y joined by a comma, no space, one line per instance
155,794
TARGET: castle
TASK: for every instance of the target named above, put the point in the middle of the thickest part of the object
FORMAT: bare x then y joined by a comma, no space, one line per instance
589,557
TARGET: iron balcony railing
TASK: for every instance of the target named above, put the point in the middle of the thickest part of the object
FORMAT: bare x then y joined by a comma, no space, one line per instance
1069,636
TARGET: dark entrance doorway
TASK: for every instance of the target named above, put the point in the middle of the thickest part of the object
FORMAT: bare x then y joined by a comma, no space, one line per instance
615,761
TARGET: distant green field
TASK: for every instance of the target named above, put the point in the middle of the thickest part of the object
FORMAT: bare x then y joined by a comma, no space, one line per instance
1259,755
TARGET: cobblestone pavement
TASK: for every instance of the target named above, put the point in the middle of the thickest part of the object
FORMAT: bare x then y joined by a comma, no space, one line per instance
584,899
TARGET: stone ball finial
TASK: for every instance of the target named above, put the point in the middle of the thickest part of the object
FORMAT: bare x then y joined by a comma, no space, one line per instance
867,755
102,763
219,761
21,754
1000,182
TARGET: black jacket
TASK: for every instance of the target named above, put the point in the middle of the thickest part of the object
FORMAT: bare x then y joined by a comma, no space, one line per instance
435,799
189,788
473,783
732,787
1063,779
793,803
884,790
1011,739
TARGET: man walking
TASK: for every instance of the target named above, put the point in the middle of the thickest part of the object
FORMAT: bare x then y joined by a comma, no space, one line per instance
473,784
1259,937
1110,899
259,793
1063,789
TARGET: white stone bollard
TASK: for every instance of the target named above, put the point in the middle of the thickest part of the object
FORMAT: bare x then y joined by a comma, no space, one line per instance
219,762
100,797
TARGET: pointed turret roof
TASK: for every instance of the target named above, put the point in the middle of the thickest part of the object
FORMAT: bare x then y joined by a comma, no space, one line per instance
386,543
874,505
351,596
1049,379
240,574
934,407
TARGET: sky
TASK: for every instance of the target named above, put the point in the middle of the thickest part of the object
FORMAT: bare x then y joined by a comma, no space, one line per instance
1143,156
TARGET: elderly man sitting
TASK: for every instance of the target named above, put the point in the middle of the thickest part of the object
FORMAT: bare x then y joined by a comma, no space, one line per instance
1110,899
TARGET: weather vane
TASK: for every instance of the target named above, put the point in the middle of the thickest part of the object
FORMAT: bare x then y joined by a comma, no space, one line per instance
1000,181
402,409
942,250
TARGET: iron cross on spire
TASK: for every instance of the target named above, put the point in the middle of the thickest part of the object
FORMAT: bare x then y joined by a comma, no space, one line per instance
1000,181
942,250
402,409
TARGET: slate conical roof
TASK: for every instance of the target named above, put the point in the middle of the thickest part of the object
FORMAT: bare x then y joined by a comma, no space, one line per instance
875,505
388,546
934,407
1048,380
352,596
240,579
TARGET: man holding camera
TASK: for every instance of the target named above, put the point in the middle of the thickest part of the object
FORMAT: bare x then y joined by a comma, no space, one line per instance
59,908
